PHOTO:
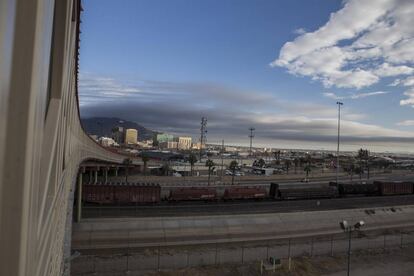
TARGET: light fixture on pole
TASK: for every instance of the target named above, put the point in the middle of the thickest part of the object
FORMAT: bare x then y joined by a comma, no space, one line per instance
339,133
349,229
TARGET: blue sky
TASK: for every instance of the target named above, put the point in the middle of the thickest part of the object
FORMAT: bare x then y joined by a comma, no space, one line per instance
279,66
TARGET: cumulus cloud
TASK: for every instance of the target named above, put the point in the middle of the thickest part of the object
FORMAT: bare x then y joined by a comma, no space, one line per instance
354,96
360,44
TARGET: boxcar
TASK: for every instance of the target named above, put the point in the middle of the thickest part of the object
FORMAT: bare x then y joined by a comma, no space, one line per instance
121,193
192,193
98,193
394,188
358,189
285,193
244,193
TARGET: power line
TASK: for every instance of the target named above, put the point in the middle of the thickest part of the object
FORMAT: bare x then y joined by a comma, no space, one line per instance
252,129
203,137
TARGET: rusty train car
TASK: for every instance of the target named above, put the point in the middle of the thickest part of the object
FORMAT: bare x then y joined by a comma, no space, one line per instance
235,193
122,193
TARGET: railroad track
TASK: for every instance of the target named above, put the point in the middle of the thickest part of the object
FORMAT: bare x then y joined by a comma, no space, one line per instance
245,207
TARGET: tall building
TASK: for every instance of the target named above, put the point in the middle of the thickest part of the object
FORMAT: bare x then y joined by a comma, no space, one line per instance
131,136
184,143
163,138
118,134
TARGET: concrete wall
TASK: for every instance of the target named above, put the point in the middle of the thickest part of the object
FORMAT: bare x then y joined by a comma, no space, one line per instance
42,141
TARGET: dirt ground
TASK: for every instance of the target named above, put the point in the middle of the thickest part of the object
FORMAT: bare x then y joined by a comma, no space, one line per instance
363,263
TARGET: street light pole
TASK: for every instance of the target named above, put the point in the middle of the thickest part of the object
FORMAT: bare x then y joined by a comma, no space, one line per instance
349,229
349,250
339,133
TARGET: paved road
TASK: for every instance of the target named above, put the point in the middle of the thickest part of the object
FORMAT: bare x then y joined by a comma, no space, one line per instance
250,207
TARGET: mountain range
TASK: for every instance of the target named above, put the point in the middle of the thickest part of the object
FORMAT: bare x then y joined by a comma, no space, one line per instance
102,126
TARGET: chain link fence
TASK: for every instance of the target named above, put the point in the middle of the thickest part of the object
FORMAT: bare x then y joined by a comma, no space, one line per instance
122,262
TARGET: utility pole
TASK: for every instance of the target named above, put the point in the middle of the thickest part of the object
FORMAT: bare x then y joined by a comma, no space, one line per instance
251,139
339,133
203,131
222,160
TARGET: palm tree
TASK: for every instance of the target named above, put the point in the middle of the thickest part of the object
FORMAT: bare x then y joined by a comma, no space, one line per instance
351,170
210,164
127,162
233,167
296,162
259,163
307,169
145,158
287,165
192,159
165,168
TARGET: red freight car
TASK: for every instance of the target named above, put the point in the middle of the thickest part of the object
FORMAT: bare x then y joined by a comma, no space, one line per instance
244,193
121,193
395,188
193,193
148,193
99,193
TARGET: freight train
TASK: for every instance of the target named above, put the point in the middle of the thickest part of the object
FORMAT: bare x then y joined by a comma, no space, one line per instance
133,193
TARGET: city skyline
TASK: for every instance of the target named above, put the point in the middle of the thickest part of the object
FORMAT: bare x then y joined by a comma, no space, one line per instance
264,64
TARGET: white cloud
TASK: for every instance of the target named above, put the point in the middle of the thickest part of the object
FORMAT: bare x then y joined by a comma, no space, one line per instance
360,44
354,96
406,123
299,31
408,81
387,70
410,101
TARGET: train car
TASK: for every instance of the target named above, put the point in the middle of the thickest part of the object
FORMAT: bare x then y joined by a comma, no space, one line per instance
121,193
394,187
98,193
234,193
146,193
302,193
356,189
193,193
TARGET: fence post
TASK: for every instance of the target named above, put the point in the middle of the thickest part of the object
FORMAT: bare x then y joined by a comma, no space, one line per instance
94,264
215,258
158,262
127,255
331,245
267,251
311,253
289,258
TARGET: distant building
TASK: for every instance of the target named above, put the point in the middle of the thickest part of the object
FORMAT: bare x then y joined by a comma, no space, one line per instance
107,142
145,144
168,145
118,134
131,136
94,137
163,138
196,146
184,143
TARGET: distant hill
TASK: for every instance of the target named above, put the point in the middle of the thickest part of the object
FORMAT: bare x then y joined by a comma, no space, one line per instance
103,126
